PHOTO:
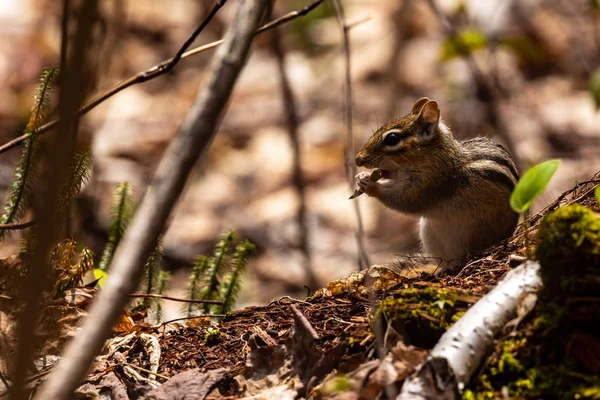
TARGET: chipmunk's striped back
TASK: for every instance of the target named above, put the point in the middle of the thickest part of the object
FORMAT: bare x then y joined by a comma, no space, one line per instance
489,160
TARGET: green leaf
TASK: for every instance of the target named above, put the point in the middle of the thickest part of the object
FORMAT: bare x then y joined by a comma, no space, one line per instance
597,193
595,87
101,276
463,42
532,184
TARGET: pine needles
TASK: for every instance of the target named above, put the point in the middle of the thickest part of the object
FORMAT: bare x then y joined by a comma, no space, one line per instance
80,173
153,271
216,265
194,290
231,284
121,212
204,282
21,187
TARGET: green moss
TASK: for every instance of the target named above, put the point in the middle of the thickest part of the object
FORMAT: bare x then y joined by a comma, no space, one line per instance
434,305
569,236
514,367
507,363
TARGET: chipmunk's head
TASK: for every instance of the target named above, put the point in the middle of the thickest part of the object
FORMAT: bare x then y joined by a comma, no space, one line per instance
405,140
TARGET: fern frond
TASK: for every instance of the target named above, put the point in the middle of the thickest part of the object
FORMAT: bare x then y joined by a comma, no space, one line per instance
21,186
79,175
152,271
121,212
164,280
194,289
231,285
216,264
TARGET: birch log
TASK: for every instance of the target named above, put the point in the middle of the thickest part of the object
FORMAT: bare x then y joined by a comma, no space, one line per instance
460,350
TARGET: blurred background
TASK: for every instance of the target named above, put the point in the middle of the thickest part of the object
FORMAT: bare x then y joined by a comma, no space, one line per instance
519,71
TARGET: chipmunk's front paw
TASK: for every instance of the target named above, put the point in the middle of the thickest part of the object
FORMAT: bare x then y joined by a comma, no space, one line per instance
366,184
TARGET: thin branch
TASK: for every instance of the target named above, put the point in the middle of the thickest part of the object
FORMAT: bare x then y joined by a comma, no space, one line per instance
168,65
159,296
17,225
193,138
363,258
143,370
291,116
155,71
186,318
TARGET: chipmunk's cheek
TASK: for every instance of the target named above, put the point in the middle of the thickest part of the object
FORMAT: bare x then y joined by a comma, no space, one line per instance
385,182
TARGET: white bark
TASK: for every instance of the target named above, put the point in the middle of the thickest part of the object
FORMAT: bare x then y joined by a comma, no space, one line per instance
461,349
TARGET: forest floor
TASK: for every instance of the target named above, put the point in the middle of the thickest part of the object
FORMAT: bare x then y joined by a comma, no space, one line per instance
334,344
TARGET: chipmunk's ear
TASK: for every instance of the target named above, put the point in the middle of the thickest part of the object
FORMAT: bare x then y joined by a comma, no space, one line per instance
430,113
430,118
418,105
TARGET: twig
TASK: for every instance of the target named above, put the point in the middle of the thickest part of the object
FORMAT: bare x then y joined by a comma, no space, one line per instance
143,370
159,296
193,138
154,72
186,318
291,116
363,258
2,296
17,225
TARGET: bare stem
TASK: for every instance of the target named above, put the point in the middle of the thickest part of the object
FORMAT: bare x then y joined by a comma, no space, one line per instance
193,138
291,116
17,225
363,258
159,296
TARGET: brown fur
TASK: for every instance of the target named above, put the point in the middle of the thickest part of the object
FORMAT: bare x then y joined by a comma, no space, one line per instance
460,189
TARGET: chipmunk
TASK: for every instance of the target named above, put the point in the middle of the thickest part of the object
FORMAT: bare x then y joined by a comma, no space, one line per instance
460,189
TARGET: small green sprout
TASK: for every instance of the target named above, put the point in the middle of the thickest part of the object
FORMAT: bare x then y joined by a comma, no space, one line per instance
210,334
597,193
532,184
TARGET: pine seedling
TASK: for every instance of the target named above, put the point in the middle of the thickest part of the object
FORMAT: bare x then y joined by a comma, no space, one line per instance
20,189
216,265
152,271
194,289
231,284
121,213
164,280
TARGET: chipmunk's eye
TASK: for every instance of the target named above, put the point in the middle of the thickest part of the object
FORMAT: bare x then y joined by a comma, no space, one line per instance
392,139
